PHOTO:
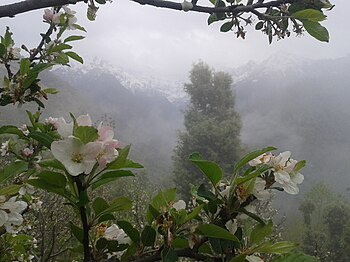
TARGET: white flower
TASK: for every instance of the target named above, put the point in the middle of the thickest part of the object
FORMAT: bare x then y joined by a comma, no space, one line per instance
4,148
186,6
179,205
226,192
253,258
27,152
113,232
75,156
285,173
259,189
84,120
50,15
14,52
109,145
52,121
231,226
10,213
26,189
262,159
24,129
71,19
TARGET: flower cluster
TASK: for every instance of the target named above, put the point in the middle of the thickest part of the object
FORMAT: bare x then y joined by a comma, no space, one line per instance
285,170
11,213
79,155
59,18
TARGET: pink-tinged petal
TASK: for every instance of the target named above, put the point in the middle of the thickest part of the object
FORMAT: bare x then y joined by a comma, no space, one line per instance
63,128
91,150
105,133
88,166
84,120
102,162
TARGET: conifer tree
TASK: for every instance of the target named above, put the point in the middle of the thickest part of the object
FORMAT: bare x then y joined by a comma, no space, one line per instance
212,126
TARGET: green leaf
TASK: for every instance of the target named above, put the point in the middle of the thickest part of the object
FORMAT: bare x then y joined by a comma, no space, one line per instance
79,27
41,67
316,30
24,66
276,248
62,59
102,2
60,47
226,26
101,244
2,50
212,18
51,182
309,14
195,212
52,163
86,134
240,258
211,230
51,91
169,255
99,205
10,190
75,56
12,169
162,199
73,38
109,176
208,168
260,170
105,217
206,193
152,214
300,165
260,232
252,215
121,160
44,139
12,130
77,232
295,257
130,231
119,204
259,25
250,156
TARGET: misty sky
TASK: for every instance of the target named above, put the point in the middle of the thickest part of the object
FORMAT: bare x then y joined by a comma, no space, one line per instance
166,42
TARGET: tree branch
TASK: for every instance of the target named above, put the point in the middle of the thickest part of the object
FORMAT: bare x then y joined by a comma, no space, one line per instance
11,10
235,9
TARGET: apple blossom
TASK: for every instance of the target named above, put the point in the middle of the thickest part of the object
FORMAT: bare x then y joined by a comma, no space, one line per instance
24,129
4,148
262,159
10,213
259,189
179,205
52,121
77,157
186,6
113,232
108,152
71,19
50,15
27,152
231,226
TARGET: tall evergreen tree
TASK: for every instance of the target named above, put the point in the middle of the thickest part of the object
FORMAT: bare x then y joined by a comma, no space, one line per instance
212,126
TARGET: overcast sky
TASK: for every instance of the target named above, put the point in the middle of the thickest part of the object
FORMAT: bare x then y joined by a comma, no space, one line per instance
166,42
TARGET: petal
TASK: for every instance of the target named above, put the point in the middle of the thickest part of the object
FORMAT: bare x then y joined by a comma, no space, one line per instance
232,226
105,133
3,217
64,149
179,205
91,150
74,168
291,188
282,177
297,178
14,219
64,129
84,120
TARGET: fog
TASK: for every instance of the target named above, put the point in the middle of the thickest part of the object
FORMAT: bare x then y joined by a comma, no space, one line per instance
293,94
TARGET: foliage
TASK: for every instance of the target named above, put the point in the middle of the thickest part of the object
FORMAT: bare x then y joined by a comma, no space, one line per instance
212,126
326,224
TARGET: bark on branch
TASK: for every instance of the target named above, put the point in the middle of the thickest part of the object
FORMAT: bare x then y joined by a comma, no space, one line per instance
11,10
